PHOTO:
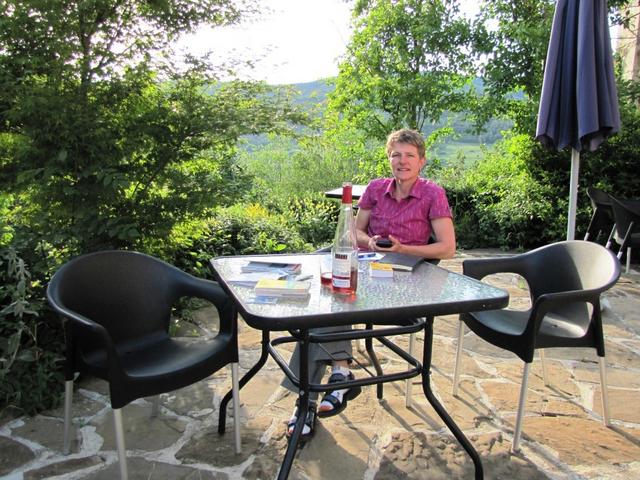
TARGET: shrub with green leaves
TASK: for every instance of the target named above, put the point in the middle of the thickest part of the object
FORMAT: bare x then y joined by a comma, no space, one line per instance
314,216
30,378
498,203
237,230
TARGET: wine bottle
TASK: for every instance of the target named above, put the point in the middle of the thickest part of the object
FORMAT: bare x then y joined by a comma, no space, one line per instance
344,253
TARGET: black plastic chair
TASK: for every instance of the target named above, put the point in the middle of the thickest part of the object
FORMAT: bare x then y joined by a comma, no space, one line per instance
626,231
565,282
602,217
116,308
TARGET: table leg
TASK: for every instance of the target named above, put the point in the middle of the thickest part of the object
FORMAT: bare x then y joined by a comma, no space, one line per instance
222,416
303,407
426,386
368,342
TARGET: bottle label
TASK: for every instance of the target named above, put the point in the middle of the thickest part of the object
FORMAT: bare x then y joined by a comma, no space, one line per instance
341,270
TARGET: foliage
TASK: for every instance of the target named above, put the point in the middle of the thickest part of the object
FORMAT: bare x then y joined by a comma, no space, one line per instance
315,218
512,36
612,167
104,143
237,230
407,63
498,202
28,362
286,168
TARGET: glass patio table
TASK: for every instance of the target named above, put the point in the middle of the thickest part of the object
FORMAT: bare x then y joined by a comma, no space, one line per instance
406,303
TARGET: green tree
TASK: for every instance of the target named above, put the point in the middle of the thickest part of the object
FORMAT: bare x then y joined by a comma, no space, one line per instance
106,143
511,37
408,62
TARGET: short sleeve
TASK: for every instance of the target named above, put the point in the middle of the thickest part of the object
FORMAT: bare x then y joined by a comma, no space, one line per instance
369,196
440,205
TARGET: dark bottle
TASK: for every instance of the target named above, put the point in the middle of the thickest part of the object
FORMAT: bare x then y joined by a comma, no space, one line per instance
344,253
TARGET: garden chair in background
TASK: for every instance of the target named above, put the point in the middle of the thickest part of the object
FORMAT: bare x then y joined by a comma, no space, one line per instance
116,309
565,281
602,217
626,231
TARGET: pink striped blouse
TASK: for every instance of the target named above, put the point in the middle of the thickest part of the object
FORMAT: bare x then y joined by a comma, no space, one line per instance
409,220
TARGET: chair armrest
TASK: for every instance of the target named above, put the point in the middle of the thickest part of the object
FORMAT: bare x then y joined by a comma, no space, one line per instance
94,330
479,268
548,301
211,291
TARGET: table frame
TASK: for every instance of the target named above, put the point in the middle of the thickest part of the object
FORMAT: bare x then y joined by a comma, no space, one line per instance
304,337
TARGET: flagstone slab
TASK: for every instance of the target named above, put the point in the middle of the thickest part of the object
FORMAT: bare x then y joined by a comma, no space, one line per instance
624,405
13,455
142,469
65,467
581,441
420,456
44,431
141,431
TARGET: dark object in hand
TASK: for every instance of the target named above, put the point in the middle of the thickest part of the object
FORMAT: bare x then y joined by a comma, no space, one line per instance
384,243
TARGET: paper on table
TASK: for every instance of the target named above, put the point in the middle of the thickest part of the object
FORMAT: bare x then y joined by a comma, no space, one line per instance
249,279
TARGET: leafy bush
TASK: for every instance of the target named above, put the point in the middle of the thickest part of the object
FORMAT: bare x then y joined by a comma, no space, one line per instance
237,230
30,379
314,216
498,203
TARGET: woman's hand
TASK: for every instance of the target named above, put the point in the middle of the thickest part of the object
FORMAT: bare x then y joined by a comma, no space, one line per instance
371,244
395,244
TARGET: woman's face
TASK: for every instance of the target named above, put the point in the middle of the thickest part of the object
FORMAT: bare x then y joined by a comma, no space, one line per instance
405,161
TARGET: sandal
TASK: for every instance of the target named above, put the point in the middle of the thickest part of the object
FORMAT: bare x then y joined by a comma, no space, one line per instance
329,397
309,424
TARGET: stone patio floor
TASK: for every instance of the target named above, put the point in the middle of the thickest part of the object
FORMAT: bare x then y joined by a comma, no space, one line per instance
564,437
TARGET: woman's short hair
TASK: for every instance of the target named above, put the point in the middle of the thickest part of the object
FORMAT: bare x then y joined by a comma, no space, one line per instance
411,137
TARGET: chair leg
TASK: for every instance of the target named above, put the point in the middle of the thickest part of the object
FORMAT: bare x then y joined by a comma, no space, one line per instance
68,396
456,370
613,229
603,389
155,406
409,384
122,453
628,259
545,377
515,446
235,387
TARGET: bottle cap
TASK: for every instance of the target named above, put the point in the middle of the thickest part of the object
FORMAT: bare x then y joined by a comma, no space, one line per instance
346,192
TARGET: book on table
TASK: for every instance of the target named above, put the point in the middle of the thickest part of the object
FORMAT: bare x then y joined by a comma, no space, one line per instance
249,279
271,266
270,287
380,270
401,261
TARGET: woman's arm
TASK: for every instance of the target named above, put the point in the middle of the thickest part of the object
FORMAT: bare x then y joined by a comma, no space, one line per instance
362,226
443,247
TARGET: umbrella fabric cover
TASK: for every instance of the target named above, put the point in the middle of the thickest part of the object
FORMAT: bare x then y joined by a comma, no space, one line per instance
579,102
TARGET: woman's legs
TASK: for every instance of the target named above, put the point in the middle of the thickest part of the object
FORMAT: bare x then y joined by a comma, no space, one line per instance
337,354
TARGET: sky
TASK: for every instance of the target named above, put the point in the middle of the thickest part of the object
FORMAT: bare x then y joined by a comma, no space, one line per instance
292,41
297,41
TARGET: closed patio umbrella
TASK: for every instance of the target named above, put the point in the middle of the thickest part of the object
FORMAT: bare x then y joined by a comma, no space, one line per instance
579,101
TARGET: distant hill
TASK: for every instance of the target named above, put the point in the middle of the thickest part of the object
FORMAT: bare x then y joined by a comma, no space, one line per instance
313,96
316,93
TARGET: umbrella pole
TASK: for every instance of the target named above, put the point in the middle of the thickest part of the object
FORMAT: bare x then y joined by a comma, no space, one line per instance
573,194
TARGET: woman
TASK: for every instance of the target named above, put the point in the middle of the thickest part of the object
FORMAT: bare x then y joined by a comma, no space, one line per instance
405,209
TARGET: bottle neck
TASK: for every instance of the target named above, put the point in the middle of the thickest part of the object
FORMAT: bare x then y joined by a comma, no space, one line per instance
346,193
